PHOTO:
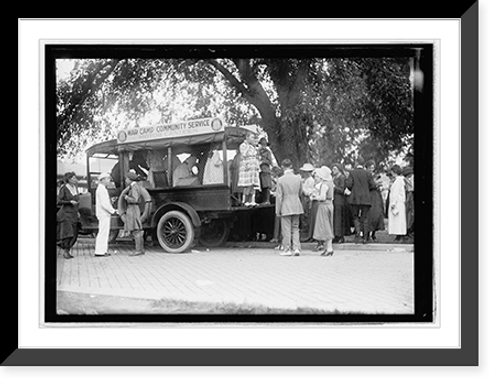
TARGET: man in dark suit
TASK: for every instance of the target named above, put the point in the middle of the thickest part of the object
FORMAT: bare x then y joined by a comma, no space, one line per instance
359,184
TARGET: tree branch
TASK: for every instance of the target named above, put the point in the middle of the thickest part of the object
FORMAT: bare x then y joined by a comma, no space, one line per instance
91,86
256,94
250,88
239,86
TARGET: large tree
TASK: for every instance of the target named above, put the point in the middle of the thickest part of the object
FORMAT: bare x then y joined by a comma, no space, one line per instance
319,109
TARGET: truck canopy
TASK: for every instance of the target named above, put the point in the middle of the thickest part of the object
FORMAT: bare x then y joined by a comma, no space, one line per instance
232,135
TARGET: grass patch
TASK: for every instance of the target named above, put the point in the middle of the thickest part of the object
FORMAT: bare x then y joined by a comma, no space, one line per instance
74,303
230,308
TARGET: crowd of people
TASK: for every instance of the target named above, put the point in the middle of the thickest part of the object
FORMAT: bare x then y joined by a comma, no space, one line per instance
68,201
319,204
330,204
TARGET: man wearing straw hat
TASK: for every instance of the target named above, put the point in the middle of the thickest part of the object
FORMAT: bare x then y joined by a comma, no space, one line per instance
103,210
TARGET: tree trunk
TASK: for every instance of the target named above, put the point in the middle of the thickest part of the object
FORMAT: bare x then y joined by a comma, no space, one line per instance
285,131
292,132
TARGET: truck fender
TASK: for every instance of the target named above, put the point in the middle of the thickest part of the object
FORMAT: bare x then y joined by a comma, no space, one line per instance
183,207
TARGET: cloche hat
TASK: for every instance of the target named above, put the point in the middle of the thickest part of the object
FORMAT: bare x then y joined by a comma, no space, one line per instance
307,167
103,175
132,175
325,173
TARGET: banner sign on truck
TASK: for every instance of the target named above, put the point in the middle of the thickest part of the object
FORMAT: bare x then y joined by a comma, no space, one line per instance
160,131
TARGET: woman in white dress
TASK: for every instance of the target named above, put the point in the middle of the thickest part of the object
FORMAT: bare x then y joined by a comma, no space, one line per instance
397,209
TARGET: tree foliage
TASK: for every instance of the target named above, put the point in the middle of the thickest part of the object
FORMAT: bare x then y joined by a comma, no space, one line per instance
313,109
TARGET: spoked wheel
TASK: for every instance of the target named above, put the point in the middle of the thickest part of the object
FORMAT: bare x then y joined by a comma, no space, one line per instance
214,233
175,232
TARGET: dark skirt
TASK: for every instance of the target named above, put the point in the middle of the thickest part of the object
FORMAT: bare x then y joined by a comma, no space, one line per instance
312,217
341,221
67,222
265,179
410,211
66,229
376,212
67,233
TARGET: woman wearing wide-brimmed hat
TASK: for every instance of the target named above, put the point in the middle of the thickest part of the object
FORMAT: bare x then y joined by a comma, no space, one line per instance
323,225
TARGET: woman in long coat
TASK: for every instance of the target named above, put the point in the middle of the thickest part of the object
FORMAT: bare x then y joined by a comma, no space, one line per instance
67,216
397,209
340,218
376,212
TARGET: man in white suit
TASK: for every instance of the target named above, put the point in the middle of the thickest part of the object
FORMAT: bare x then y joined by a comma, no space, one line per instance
103,210
289,208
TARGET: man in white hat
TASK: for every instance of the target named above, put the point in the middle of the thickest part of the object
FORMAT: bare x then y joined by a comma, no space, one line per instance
104,210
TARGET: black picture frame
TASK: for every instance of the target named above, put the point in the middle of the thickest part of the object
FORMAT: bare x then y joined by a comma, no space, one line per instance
423,103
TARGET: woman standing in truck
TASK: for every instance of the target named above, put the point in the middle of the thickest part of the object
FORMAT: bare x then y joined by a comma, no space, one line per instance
248,176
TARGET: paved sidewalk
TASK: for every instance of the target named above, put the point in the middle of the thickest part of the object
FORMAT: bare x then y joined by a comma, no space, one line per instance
361,281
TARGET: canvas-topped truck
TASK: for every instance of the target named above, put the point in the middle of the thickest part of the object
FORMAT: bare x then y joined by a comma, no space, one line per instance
187,171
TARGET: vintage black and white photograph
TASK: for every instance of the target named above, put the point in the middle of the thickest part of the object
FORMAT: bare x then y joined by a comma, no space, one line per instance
239,183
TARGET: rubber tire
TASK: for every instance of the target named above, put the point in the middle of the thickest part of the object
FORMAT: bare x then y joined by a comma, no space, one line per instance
217,240
177,222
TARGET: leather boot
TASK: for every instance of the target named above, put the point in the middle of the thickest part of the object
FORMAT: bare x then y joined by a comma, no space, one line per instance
66,254
141,241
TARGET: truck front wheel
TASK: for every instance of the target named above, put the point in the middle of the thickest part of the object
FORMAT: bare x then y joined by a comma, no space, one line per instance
175,232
